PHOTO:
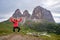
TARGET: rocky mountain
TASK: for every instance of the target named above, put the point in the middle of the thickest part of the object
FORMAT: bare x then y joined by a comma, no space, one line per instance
39,14
17,14
26,14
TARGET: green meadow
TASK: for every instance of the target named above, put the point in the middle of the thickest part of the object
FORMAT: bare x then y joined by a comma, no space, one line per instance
35,29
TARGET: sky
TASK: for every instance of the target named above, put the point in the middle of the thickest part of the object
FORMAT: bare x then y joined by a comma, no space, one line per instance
8,7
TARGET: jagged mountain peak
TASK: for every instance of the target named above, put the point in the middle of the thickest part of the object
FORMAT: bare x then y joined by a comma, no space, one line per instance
41,13
17,13
26,13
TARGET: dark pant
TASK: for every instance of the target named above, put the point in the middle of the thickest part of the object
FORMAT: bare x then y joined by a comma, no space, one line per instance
16,28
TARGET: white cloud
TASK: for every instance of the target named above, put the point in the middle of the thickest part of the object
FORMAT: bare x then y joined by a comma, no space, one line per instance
1,20
57,20
56,17
56,14
5,16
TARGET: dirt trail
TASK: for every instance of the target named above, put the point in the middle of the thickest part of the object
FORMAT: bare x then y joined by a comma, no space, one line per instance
19,37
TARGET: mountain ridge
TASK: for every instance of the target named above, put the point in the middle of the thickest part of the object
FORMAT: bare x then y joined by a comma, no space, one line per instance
39,14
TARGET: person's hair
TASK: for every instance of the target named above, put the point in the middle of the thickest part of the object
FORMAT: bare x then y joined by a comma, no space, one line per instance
15,19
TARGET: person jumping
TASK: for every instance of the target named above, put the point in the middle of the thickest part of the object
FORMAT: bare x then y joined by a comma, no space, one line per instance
15,23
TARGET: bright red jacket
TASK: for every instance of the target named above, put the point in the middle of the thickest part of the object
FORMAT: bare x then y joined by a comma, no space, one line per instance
15,22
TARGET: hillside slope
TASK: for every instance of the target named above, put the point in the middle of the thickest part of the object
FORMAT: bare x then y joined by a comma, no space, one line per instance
6,29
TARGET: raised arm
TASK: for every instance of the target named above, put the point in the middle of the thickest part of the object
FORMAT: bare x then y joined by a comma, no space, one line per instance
11,19
20,19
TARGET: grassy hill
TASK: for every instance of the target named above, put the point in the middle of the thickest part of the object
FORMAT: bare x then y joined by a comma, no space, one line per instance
34,29
5,28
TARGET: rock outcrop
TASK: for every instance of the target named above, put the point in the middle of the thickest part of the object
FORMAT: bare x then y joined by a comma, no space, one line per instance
26,14
17,14
39,14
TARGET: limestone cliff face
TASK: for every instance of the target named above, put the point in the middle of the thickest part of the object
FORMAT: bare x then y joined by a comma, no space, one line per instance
39,14
47,16
42,14
17,14
26,14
